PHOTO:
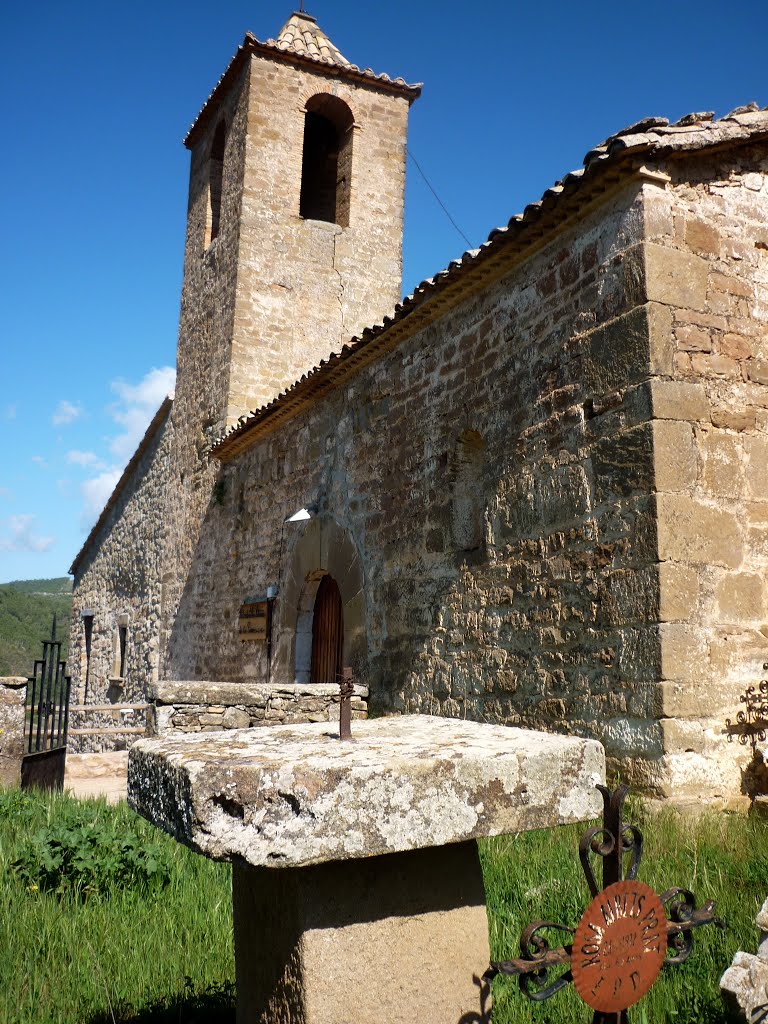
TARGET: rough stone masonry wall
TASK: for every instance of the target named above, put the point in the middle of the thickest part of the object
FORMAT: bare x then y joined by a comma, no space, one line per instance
203,352
533,627
119,580
710,226
304,287
13,694
138,563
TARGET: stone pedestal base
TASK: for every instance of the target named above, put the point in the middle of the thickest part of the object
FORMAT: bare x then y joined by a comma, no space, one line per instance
391,939
358,897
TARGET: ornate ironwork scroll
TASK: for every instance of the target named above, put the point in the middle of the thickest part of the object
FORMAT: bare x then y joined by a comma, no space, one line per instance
625,936
751,725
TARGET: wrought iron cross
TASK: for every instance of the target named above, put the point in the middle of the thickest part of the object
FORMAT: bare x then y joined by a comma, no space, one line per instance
624,937
751,725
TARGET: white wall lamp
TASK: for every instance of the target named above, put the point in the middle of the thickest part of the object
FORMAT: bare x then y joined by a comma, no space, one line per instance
302,515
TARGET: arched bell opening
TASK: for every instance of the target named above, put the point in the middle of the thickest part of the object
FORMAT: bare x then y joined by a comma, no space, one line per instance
215,183
326,167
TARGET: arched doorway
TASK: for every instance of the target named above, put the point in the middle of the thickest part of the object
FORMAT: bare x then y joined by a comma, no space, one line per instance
322,548
327,632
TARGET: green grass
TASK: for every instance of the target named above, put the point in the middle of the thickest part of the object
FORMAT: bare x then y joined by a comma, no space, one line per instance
161,956
161,953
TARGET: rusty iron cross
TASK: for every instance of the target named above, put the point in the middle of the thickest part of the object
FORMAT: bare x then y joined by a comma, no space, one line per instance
347,687
624,937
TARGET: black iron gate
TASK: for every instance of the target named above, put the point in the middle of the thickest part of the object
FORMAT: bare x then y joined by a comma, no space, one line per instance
46,719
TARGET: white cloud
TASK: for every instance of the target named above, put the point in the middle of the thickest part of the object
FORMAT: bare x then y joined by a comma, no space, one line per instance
96,491
10,412
79,458
21,536
136,405
40,461
133,411
66,413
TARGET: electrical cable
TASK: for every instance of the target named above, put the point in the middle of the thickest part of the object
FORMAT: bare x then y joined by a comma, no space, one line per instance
437,197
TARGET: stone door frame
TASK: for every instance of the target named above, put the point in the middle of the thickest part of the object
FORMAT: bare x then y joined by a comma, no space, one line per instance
322,547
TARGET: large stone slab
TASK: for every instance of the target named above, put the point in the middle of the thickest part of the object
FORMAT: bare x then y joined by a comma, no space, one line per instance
174,691
295,795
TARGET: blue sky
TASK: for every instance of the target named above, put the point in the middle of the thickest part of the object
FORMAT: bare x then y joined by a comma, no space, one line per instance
94,178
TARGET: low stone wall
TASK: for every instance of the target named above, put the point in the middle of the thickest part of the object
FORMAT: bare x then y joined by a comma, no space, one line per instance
13,694
197,706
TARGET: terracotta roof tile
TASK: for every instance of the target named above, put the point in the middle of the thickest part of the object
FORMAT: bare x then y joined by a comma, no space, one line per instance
652,137
303,36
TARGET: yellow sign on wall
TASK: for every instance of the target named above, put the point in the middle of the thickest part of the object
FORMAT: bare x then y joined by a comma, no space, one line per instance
254,621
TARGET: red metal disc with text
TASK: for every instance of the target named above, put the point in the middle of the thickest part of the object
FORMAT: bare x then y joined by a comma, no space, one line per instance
619,946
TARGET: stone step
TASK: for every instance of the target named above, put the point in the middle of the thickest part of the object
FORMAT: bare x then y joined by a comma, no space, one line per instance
97,763
98,774
108,707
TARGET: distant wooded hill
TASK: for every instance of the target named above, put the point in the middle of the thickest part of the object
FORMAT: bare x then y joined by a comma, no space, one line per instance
26,612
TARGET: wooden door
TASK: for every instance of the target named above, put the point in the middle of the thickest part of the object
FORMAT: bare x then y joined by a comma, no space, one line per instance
327,633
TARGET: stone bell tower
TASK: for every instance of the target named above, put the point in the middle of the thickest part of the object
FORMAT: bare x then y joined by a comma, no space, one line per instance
293,246
294,238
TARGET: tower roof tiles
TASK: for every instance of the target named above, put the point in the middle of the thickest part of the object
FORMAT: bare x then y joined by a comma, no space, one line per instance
302,35
301,41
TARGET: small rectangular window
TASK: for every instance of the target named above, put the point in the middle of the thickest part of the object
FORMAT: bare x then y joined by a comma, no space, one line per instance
88,631
122,637
87,636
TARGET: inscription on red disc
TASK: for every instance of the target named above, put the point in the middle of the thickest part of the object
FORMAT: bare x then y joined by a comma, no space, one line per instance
619,946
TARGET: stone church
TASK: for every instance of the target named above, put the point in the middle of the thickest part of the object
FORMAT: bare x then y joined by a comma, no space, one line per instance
533,492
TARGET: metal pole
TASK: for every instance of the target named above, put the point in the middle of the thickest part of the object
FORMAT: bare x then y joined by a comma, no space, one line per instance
345,706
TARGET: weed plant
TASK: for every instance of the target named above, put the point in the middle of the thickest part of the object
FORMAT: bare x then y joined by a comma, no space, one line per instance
111,941
77,855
